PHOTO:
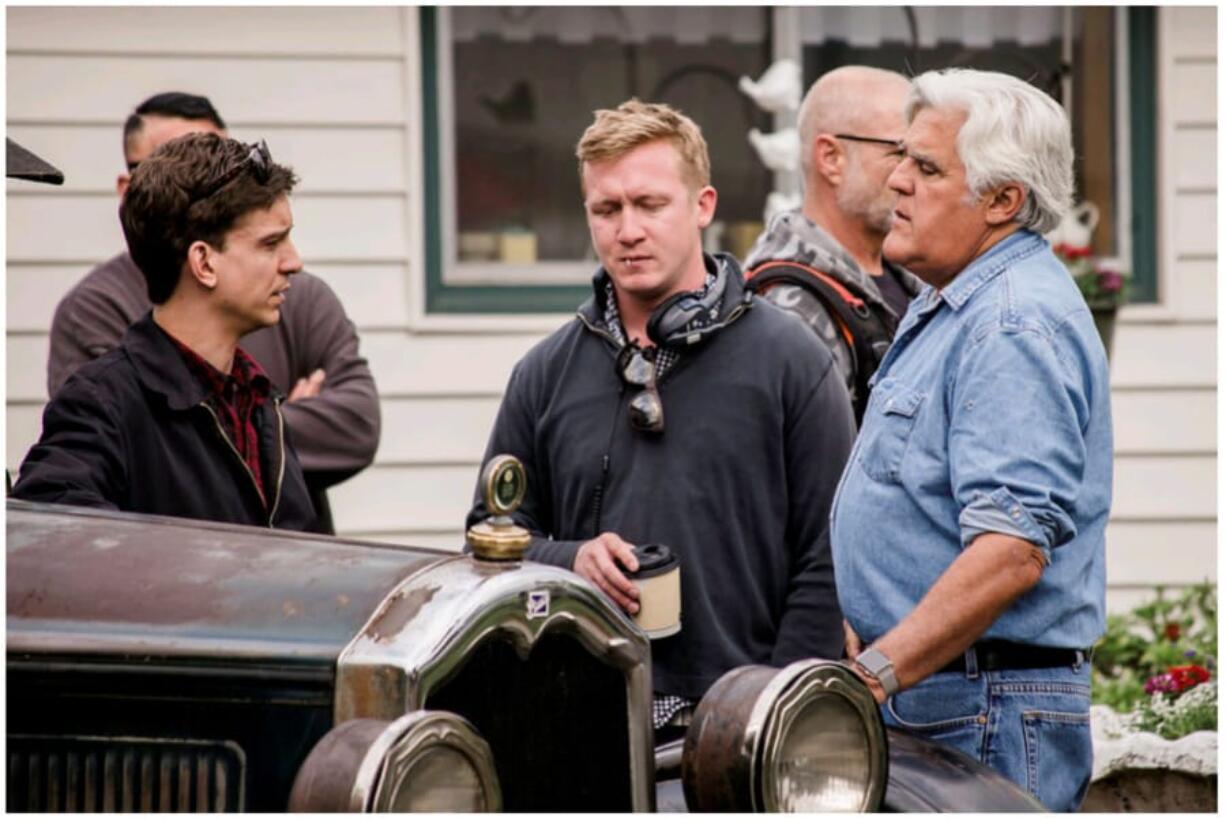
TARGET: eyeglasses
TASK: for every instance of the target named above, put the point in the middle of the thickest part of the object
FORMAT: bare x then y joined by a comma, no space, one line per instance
895,144
258,158
646,409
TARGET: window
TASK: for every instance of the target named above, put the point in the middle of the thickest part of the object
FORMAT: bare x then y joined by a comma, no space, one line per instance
1097,61
516,87
508,91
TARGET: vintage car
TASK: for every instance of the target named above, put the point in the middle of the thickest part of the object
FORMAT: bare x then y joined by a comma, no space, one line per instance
158,664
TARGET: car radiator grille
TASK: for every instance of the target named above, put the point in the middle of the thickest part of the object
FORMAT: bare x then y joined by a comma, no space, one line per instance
92,774
557,723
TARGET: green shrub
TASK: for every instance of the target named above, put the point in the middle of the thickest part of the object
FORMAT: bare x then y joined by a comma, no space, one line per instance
1193,711
1146,643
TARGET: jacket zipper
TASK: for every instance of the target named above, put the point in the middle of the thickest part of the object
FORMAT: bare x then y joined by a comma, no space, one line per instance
221,432
276,497
617,346
598,494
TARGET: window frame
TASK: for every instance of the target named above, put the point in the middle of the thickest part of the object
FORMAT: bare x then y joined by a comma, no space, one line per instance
1136,169
443,296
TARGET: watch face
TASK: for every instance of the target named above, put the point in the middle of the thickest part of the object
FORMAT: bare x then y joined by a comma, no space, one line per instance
880,667
870,661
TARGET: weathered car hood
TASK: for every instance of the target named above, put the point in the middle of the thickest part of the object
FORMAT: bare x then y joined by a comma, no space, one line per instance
93,581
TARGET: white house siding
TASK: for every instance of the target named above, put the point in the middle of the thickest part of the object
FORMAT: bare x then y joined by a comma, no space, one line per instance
336,94
1164,369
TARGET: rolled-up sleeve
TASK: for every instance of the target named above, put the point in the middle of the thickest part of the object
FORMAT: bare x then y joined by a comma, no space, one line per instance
1016,447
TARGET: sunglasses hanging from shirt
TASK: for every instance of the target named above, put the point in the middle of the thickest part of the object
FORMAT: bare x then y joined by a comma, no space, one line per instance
681,321
646,409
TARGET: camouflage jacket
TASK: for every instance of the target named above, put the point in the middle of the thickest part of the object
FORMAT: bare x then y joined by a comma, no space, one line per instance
793,238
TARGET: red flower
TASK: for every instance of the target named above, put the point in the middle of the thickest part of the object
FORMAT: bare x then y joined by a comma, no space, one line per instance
1172,632
1186,677
1072,251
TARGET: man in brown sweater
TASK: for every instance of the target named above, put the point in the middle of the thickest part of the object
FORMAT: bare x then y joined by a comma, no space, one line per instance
311,355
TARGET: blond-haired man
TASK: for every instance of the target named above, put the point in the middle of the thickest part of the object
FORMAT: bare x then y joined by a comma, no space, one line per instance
678,409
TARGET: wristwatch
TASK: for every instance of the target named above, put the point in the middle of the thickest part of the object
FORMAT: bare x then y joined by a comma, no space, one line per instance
879,666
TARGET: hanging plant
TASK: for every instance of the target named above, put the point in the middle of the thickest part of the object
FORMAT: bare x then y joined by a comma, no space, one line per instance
1103,288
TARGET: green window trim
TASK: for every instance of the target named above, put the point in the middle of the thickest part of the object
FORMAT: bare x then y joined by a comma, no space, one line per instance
1143,123
442,297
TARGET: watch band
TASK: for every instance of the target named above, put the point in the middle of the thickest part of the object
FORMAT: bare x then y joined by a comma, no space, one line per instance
880,667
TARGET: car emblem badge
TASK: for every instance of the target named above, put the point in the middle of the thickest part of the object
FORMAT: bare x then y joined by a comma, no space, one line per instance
538,604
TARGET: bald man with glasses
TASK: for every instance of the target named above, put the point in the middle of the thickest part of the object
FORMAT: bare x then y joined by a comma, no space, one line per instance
823,261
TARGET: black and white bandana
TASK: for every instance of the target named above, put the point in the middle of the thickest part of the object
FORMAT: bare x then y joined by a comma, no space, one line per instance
665,357
663,707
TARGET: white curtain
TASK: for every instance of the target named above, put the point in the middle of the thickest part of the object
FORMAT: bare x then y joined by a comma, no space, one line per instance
634,24
975,26
862,27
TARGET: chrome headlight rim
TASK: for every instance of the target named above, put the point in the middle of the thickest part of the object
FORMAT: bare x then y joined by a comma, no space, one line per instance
742,722
410,738
363,765
812,680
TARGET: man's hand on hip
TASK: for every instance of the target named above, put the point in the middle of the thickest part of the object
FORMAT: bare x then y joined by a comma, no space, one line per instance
597,561
851,641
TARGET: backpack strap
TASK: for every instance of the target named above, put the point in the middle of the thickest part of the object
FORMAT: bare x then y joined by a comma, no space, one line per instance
868,332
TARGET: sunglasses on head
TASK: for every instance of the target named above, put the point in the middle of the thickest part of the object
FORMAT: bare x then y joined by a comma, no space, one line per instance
258,158
645,408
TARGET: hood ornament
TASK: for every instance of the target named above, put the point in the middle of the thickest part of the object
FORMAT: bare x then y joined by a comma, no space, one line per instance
498,537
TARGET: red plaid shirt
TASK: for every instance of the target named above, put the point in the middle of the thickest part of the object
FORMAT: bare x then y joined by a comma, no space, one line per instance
234,398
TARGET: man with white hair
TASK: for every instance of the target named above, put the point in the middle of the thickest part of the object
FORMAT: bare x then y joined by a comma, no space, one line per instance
823,261
968,527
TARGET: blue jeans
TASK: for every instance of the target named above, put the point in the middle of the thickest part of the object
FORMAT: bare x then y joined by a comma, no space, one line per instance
1031,725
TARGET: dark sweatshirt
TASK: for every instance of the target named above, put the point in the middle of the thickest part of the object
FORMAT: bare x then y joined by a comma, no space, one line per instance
758,426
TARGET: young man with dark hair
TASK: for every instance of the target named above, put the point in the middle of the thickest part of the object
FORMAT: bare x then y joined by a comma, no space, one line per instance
178,420
311,354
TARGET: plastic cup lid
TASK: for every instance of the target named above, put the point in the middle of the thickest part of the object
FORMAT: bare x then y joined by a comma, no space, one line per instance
654,559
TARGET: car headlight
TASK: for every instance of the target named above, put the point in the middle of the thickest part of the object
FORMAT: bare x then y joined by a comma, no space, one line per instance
424,761
807,738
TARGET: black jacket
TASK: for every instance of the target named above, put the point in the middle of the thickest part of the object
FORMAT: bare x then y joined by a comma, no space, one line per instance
757,428
130,431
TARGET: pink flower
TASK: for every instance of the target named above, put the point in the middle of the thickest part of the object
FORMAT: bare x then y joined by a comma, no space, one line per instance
1161,683
1177,679
1110,281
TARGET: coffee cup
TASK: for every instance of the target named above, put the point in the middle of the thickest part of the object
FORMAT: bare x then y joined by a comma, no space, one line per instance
659,581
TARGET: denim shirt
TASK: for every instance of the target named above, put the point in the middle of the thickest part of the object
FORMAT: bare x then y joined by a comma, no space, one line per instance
991,412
